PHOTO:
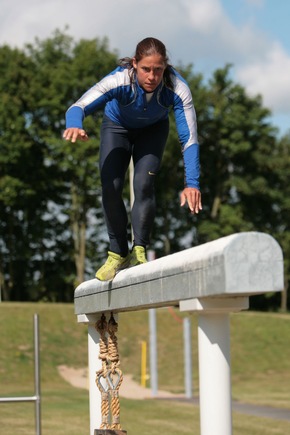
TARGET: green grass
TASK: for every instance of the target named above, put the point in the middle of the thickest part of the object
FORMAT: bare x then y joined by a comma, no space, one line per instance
260,370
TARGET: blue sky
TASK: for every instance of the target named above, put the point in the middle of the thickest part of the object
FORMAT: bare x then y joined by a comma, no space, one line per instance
253,35
270,16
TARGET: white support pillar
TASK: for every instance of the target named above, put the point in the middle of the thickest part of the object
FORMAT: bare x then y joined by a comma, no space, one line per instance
214,360
215,374
95,364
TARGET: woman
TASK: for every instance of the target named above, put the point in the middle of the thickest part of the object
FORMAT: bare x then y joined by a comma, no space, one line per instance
137,97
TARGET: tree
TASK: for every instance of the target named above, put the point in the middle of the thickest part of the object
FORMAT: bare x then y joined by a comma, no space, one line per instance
52,226
280,163
243,171
53,184
21,175
69,69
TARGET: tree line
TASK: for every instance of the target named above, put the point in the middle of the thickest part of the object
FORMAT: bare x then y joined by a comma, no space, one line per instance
51,221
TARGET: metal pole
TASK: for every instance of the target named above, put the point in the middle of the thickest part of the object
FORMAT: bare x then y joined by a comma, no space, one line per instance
187,357
17,399
215,374
37,375
143,363
36,397
153,352
132,197
153,340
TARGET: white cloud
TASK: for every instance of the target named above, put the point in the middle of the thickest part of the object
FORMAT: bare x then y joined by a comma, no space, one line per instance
205,16
216,36
260,64
269,77
194,31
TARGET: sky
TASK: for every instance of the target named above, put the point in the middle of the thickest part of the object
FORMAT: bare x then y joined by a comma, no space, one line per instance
252,35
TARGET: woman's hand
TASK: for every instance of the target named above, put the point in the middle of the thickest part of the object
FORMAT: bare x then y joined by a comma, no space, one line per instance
73,134
192,197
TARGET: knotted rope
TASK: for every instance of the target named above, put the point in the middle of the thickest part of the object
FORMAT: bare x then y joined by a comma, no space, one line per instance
109,377
101,327
115,376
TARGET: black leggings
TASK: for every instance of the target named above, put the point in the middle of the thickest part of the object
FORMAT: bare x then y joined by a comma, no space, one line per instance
146,146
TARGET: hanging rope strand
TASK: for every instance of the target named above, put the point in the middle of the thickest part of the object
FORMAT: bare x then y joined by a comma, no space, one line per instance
115,376
109,378
102,327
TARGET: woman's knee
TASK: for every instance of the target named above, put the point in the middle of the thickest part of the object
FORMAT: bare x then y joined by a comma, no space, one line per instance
144,185
112,189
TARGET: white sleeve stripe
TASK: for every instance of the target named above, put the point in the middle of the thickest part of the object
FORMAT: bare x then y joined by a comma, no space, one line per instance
184,95
100,89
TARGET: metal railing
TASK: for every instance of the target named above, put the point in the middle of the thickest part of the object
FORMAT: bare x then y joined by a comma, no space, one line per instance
36,398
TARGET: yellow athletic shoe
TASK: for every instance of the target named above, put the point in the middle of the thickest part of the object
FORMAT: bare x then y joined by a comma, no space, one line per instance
138,256
113,264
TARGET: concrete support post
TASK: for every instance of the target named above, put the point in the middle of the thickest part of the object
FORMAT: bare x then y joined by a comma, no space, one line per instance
95,364
214,360
215,374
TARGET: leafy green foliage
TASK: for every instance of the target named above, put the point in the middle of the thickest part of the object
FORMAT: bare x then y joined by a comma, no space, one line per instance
52,228
49,188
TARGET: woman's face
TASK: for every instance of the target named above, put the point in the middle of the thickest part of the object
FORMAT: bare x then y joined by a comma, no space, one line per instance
149,71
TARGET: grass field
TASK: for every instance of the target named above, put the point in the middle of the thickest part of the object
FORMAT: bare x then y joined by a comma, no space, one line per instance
260,370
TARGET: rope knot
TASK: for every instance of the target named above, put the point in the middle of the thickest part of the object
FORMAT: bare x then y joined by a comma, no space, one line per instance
110,373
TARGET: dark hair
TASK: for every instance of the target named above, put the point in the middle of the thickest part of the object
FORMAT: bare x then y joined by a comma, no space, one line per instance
148,47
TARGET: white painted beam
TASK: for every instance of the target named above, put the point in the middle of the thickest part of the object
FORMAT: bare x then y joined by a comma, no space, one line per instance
240,264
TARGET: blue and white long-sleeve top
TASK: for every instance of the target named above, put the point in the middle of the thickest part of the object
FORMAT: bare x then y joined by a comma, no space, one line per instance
126,104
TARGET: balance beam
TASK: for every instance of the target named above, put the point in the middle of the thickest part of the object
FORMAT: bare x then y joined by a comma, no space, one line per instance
239,264
212,280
